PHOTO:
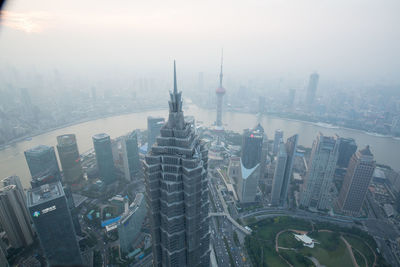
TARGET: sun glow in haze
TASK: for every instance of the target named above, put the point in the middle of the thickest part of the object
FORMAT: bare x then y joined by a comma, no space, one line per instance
31,22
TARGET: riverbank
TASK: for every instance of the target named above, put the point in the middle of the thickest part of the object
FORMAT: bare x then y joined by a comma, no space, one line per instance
43,131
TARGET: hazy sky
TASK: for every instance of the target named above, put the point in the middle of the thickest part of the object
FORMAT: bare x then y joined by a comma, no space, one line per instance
341,39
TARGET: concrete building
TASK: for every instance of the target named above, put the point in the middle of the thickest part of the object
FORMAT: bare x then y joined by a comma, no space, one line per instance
177,192
318,181
355,184
132,154
129,227
43,165
291,147
104,157
220,92
347,148
312,89
14,217
14,180
277,139
154,125
279,174
51,217
70,159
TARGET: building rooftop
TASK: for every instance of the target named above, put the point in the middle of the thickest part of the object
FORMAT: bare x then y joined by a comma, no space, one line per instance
100,136
38,149
44,193
66,139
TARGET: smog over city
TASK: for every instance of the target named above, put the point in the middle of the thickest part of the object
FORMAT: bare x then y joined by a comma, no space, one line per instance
200,133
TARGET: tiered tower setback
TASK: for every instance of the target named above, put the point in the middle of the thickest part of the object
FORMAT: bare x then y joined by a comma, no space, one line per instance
177,192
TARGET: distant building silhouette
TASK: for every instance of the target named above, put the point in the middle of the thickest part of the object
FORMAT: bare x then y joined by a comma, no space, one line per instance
177,192
14,217
347,148
355,184
104,157
291,97
70,159
312,89
321,168
43,165
51,217
220,91
154,125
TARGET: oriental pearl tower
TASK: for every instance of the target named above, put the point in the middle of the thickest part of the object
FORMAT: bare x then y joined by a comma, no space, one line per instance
220,91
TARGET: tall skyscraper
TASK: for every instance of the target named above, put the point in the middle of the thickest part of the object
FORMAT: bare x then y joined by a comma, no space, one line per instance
129,227
355,184
43,165
291,146
279,174
277,139
322,164
51,217
132,151
14,180
250,160
104,157
177,192
154,125
70,160
14,216
312,89
347,148
220,91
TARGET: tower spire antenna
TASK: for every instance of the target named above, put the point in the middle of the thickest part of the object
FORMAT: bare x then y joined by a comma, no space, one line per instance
175,84
222,62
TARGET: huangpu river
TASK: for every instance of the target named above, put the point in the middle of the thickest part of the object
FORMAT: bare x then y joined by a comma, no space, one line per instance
12,160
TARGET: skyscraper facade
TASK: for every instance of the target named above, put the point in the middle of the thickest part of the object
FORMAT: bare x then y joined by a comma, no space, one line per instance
104,157
154,125
132,153
277,139
14,217
177,192
318,181
129,227
347,148
312,89
43,165
291,146
220,92
14,180
70,160
279,174
51,217
250,161
355,184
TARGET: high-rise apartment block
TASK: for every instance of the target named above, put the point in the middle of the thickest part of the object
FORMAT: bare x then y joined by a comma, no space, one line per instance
51,217
104,157
154,125
321,168
70,159
132,154
291,147
355,184
177,192
43,165
14,217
